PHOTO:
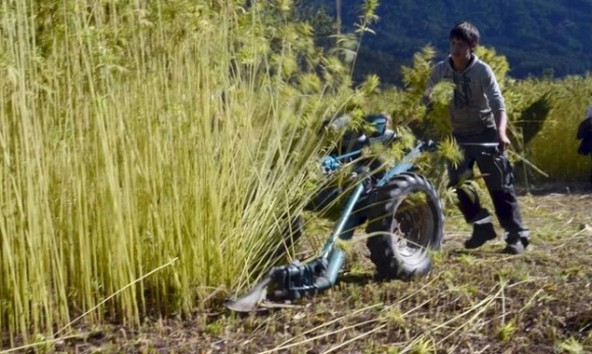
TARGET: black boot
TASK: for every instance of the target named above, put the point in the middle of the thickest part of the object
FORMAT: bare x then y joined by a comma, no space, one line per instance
481,233
516,242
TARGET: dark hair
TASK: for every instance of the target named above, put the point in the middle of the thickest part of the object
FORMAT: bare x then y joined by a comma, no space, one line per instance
467,32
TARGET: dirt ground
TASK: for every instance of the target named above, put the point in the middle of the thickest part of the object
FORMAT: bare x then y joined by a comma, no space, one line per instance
478,301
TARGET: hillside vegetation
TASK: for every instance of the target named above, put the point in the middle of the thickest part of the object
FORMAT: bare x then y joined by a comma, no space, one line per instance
539,37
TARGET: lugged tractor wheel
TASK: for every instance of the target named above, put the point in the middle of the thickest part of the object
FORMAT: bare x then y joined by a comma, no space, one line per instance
404,222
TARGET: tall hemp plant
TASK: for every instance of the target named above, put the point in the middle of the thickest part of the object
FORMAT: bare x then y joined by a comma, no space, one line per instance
554,148
151,152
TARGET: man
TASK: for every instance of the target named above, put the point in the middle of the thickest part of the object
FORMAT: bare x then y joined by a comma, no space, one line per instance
478,119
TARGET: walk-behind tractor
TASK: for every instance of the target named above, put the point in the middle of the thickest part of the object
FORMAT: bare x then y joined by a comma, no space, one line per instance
400,207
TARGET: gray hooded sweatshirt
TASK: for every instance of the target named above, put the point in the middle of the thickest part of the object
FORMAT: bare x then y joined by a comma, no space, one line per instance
476,96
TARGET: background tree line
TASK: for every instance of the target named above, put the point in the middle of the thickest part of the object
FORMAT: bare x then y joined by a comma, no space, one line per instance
538,37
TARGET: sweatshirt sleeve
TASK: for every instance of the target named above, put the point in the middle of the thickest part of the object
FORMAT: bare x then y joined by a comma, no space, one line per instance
435,76
493,91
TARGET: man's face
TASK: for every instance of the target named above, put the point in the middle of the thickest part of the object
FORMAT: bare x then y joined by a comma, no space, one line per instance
459,49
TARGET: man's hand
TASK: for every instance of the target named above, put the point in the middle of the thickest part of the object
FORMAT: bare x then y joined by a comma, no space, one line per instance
501,120
504,141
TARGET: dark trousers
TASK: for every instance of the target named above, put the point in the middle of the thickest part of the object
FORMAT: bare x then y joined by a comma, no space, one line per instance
496,171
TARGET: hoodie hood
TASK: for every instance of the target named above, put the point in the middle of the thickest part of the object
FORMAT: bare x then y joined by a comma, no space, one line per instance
472,62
